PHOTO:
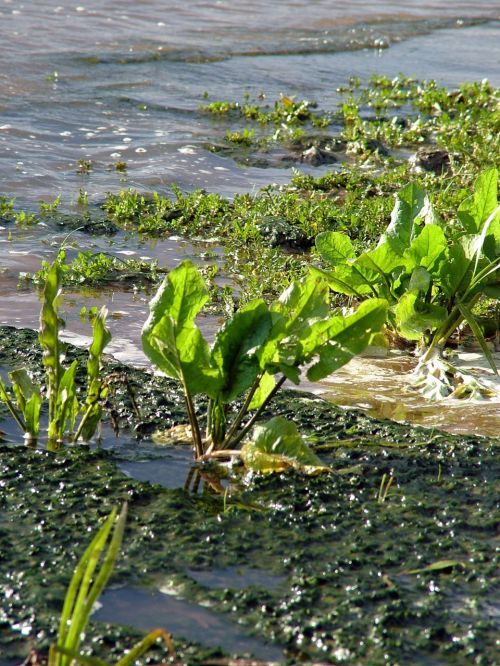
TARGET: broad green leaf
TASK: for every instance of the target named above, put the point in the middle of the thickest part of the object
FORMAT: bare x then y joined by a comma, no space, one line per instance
303,302
294,314
427,249
474,212
412,208
385,258
420,280
345,337
345,280
414,316
234,350
266,385
277,446
335,248
456,271
170,337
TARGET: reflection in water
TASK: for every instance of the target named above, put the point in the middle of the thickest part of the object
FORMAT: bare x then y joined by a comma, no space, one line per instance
146,609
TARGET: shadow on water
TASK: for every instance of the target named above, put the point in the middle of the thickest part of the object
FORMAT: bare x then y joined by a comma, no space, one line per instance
147,609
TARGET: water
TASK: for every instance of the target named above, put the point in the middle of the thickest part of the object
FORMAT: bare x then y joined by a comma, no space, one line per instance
146,609
111,81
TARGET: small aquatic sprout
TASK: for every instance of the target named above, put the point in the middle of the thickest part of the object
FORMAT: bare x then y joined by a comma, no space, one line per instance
254,353
385,486
24,219
7,207
60,383
47,207
85,166
89,580
97,268
83,198
243,138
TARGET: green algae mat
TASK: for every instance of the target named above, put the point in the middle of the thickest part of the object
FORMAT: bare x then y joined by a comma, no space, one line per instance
349,567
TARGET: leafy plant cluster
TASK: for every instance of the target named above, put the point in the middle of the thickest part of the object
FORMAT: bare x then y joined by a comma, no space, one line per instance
431,274
89,580
90,268
253,354
68,417
285,111
408,112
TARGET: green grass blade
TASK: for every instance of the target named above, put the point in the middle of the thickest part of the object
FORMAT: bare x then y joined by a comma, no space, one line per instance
148,641
92,588
76,656
469,318
73,603
4,395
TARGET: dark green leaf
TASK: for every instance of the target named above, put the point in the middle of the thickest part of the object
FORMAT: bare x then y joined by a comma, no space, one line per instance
234,351
345,337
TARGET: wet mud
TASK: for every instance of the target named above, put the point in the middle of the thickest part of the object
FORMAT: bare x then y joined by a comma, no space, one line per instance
350,573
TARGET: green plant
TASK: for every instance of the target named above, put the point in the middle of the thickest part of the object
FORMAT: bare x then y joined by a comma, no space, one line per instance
89,579
49,207
60,385
96,268
431,274
254,352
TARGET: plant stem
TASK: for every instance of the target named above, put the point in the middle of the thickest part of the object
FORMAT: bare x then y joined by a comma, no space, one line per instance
193,421
10,406
445,331
251,422
241,414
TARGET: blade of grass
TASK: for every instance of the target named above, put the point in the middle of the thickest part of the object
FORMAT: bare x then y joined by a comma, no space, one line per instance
87,598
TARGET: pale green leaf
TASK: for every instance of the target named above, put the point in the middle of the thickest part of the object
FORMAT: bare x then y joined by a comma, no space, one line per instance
335,248
474,212
277,446
414,316
427,249
235,347
170,337
412,207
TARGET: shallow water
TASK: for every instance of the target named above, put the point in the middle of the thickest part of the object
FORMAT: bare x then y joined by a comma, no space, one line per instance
110,81
147,609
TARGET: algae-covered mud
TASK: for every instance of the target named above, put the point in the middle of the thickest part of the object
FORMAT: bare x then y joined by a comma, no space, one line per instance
292,569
